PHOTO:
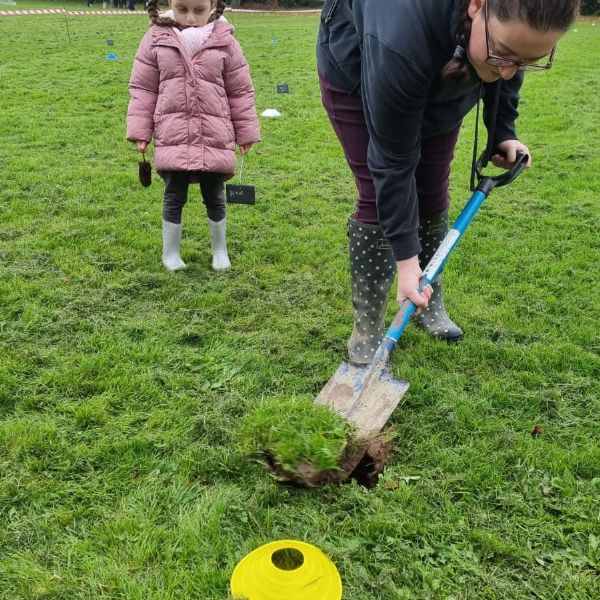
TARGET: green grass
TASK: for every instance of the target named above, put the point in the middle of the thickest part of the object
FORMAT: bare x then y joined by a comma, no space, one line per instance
314,435
123,387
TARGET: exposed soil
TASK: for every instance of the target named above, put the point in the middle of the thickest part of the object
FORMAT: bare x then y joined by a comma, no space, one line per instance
363,461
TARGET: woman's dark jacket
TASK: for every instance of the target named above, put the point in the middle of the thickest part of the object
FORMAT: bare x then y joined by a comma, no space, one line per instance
391,52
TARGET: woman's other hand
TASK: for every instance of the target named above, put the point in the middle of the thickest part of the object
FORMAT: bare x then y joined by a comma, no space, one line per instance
409,274
141,147
505,159
245,148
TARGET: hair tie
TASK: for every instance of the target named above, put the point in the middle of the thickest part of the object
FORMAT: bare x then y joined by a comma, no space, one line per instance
459,53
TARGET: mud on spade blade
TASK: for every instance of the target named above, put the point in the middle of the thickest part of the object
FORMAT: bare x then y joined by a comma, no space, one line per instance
365,395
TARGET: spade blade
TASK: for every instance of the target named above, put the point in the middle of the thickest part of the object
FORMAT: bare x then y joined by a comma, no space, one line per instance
364,395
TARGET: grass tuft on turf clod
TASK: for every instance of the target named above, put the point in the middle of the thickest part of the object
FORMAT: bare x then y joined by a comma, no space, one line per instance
306,444
296,440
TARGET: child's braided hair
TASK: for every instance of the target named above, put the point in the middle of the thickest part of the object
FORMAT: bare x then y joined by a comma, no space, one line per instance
156,19
219,9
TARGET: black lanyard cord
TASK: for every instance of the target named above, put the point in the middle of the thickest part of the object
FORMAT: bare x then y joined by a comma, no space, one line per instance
481,163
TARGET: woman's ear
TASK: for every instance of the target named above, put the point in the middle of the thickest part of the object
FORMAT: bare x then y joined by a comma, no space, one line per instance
474,7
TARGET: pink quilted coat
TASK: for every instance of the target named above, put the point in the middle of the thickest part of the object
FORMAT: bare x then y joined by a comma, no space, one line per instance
196,109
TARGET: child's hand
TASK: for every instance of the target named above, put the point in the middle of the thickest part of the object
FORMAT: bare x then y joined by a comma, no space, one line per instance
245,148
141,146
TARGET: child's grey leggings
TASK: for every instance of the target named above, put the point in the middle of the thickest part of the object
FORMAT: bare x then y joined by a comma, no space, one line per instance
176,192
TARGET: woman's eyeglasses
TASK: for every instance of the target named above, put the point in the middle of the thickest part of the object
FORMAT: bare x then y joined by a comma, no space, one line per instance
540,64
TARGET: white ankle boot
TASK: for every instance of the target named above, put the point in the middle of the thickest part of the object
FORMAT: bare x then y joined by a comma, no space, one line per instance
171,235
218,245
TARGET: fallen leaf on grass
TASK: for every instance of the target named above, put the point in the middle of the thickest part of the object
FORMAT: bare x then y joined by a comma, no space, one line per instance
537,430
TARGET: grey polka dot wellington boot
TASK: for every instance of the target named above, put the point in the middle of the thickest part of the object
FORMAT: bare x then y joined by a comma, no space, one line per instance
434,319
372,269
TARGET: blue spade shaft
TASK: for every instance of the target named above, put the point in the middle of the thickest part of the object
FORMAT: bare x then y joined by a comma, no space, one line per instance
438,260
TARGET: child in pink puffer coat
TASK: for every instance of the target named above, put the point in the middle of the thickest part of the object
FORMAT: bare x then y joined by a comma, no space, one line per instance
191,91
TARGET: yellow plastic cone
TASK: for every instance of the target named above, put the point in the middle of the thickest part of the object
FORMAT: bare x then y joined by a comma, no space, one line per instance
286,569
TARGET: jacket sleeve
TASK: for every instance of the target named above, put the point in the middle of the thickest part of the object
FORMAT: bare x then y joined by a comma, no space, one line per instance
143,92
394,100
240,95
507,107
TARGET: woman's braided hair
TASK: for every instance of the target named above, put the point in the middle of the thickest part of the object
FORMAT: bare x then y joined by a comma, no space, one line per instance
457,68
156,19
540,15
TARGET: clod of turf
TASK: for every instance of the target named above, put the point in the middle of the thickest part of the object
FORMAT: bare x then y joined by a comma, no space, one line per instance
145,172
301,443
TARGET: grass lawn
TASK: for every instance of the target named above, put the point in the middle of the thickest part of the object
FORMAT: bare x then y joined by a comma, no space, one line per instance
122,386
